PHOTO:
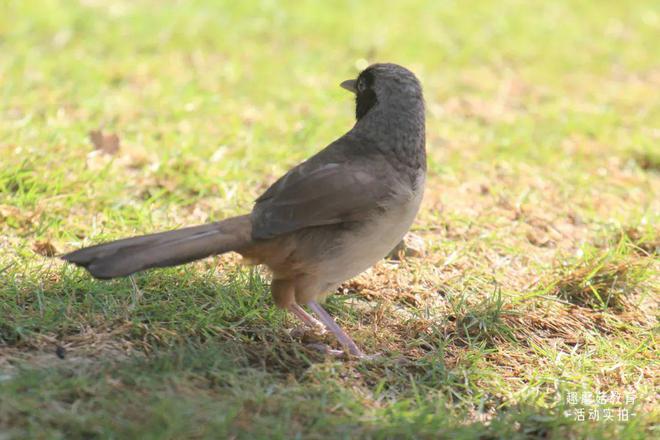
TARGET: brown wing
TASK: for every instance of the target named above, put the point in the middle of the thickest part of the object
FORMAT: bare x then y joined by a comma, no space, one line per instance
328,189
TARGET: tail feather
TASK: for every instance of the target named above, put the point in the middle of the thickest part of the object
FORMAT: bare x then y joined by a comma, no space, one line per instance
129,255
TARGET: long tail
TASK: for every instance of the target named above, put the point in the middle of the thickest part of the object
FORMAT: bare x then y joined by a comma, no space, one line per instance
124,257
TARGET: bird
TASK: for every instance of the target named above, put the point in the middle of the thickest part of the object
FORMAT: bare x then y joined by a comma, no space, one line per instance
325,221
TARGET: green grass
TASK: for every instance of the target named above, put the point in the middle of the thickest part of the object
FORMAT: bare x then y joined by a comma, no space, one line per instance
540,219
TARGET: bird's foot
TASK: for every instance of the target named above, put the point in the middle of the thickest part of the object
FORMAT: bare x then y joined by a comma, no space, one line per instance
307,319
326,324
326,349
332,326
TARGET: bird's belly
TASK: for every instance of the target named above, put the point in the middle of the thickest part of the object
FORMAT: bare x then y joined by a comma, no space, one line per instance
373,240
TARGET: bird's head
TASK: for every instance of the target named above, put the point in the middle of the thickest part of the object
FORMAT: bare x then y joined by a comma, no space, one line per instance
384,84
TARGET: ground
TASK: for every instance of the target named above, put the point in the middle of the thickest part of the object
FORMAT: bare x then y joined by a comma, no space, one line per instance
534,306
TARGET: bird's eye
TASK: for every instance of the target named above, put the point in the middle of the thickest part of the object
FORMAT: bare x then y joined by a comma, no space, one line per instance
360,86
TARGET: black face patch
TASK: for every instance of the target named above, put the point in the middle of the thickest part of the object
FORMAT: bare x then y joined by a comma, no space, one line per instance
366,96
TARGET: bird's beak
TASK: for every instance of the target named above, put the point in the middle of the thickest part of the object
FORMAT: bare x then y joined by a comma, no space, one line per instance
349,85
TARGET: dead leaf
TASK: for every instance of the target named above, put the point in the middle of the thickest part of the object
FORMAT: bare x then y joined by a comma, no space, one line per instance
44,248
539,238
106,143
410,246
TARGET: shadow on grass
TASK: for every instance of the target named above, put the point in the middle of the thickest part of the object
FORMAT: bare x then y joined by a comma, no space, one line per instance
206,355
213,391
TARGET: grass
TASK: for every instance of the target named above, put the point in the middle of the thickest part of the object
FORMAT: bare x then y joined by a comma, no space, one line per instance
540,220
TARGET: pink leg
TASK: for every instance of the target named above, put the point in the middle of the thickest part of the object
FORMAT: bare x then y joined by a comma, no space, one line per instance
305,317
332,326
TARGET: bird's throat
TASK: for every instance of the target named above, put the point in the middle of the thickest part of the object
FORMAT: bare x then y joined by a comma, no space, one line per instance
364,102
